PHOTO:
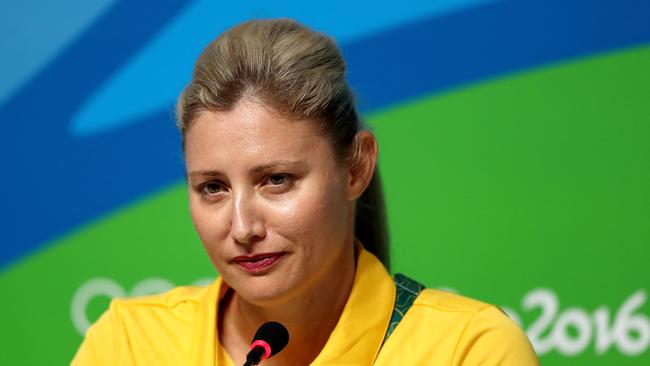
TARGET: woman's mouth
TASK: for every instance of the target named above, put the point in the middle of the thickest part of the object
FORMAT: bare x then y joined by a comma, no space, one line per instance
257,263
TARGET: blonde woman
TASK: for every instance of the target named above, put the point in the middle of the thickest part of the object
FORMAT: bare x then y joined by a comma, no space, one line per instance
285,197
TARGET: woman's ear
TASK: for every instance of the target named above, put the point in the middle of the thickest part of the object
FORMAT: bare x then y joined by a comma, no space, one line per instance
362,163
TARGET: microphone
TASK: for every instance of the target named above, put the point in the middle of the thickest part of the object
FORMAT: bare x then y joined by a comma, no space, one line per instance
269,339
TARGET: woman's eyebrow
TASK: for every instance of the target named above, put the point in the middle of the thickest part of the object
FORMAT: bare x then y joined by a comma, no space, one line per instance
205,173
256,169
278,164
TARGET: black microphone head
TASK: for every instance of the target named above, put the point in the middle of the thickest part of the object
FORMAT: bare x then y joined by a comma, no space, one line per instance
273,333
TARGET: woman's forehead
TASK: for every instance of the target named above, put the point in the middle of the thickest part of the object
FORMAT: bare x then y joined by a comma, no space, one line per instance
248,133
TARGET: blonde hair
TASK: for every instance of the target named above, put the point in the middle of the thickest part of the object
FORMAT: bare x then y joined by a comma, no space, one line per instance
301,74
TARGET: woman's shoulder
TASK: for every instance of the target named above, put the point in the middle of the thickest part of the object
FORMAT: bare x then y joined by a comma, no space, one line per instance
465,331
464,314
171,299
130,327
447,301
178,306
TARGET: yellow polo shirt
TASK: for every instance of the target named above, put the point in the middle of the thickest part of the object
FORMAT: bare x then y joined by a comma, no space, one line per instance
441,328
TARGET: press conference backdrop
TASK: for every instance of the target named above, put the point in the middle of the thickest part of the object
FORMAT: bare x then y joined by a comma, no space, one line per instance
514,147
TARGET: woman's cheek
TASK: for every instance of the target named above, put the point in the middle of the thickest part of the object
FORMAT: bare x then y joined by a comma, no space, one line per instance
299,207
310,212
209,226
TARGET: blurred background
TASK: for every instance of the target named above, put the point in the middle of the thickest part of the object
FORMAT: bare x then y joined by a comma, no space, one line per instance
514,148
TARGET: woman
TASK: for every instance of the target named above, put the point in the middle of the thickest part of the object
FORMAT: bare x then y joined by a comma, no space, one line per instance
284,195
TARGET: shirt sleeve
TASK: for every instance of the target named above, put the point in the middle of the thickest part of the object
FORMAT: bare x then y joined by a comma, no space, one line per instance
493,339
100,346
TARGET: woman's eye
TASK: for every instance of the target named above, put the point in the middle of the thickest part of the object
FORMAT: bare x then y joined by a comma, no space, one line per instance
211,188
278,179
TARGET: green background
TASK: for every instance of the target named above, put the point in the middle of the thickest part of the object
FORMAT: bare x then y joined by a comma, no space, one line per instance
534,180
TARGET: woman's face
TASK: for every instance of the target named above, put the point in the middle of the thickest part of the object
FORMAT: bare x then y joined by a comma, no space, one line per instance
269,200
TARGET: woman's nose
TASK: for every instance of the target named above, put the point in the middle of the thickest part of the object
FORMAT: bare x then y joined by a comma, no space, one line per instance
247,224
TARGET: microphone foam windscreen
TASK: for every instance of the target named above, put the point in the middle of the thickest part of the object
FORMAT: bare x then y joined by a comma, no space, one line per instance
273,333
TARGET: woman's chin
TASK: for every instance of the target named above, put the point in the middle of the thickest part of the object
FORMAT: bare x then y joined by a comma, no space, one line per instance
262,291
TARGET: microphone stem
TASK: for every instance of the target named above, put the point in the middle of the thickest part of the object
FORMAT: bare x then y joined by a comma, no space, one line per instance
254,357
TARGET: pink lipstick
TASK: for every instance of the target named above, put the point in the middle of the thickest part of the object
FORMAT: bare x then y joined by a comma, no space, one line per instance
257,263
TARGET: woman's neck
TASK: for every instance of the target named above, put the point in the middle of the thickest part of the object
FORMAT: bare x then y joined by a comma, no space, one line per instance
310,317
